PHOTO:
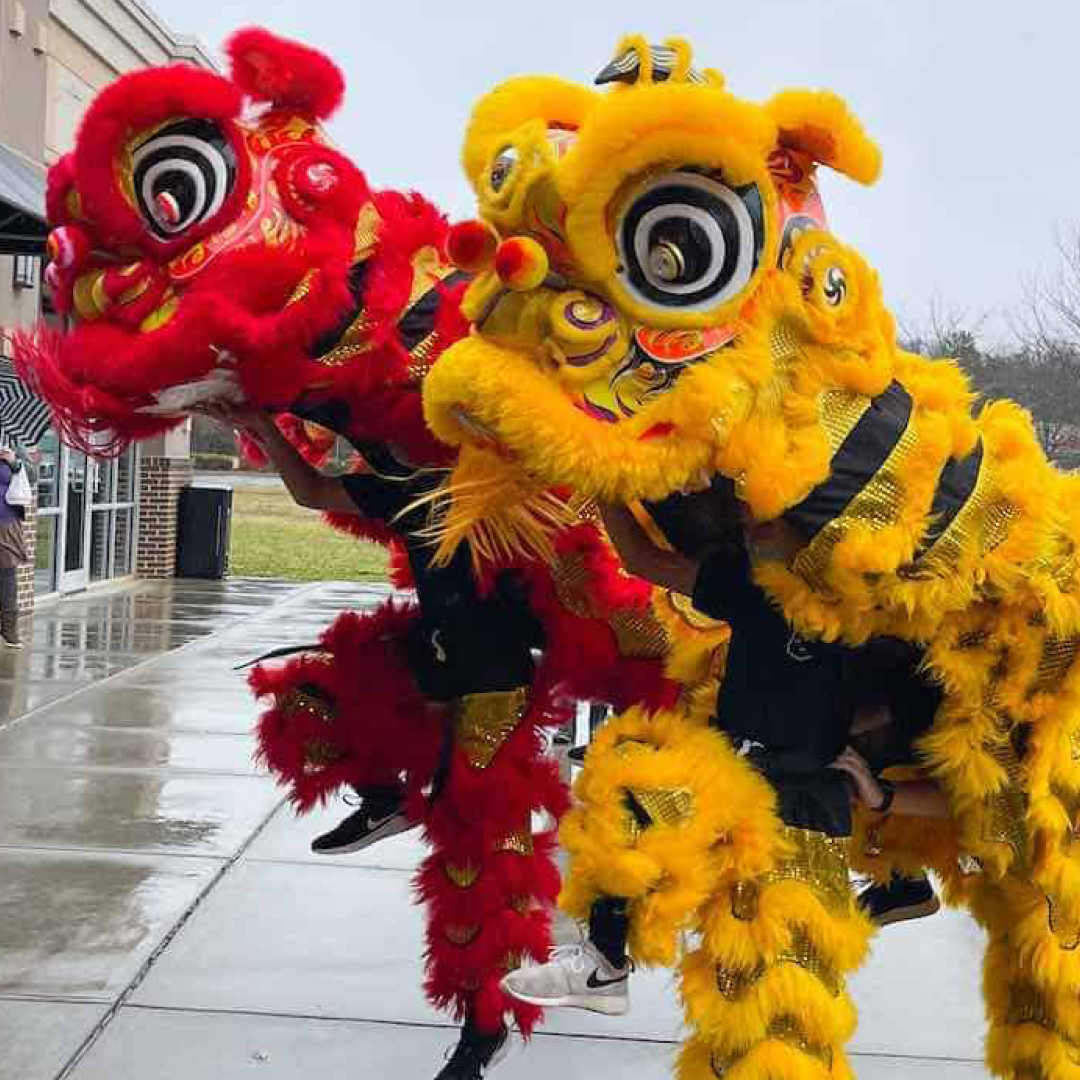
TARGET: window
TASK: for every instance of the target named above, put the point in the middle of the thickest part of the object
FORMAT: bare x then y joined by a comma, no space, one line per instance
25,275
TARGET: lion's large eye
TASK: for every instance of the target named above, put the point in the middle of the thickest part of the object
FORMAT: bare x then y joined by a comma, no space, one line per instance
501,168
689,241
182,175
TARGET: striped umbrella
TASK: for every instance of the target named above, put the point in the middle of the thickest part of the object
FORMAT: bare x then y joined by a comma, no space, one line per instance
24,417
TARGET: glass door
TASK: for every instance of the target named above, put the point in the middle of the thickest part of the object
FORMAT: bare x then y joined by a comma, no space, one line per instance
76,521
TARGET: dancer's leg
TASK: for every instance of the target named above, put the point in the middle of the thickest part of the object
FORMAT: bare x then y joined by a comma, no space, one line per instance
488,882
765,993
1031,983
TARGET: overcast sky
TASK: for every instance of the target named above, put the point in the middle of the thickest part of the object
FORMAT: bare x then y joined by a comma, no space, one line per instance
976,106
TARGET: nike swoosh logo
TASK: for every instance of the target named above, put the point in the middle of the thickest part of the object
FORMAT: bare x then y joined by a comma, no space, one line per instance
593,983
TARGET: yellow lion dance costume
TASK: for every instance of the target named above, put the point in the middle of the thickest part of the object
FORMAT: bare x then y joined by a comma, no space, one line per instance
658,301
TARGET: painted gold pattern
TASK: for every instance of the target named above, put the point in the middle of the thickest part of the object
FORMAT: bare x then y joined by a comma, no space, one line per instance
483,722
876,506
735,983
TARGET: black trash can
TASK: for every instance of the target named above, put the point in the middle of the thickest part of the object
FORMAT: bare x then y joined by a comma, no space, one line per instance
202,549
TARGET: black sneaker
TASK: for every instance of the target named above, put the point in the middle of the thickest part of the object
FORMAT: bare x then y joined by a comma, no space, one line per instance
476,1054
366,826
902,899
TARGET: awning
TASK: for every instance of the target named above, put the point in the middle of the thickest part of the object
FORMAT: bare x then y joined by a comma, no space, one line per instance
22,205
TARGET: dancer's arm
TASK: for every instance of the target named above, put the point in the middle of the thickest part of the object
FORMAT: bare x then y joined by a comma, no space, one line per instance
305,483
913,798
642,557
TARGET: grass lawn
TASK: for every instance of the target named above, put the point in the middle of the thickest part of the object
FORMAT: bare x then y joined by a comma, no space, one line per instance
273,537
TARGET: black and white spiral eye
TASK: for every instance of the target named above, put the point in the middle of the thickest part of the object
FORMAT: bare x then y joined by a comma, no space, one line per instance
689,241
835,286
182,175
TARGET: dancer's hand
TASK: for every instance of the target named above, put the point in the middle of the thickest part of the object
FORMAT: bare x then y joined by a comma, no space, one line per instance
242,417
868,790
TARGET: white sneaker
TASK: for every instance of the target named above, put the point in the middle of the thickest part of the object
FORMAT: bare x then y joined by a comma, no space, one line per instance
578,976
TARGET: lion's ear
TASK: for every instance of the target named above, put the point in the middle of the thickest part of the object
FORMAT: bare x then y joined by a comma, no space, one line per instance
821,125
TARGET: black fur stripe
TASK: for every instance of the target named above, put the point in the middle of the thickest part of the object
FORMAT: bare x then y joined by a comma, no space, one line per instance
861,455
419,320
955,485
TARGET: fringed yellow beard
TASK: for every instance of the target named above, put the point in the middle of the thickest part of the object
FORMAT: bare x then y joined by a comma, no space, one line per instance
502,514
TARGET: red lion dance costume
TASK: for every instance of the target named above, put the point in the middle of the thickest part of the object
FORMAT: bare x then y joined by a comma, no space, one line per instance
212,246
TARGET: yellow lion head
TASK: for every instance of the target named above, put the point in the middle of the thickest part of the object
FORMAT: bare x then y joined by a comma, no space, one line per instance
632,240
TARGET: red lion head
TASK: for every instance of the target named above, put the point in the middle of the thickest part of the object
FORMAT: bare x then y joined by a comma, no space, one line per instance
210,244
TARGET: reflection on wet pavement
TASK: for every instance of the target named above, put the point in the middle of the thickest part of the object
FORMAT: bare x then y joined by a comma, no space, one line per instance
151,878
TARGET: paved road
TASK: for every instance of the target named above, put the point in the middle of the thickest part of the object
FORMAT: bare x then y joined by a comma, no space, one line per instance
162,918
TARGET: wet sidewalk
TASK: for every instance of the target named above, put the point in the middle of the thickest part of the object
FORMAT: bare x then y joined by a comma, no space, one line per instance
161,917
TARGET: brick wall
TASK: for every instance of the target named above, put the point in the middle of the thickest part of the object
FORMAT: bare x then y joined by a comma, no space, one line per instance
26,572
160,482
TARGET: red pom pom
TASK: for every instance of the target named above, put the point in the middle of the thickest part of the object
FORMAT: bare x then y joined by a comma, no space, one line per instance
269,68
521,263
471,245
69,247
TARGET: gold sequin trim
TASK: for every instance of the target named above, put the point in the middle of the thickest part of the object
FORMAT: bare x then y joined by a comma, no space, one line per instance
298,701
1058,655
304,288
420,356
366,235
318,754
464,877
638,633
1028,1006
1006,821
521,843
745,897
460,934
818,861
347,351
571,577
982,523
840,411
877,505
783,1029
483,722
663,806
734,983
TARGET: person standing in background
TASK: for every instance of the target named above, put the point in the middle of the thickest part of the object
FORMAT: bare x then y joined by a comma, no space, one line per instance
12,551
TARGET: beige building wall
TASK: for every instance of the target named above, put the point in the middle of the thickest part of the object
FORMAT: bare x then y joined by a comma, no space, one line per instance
54,57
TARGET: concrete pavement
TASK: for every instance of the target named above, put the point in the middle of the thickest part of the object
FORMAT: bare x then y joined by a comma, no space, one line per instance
161,917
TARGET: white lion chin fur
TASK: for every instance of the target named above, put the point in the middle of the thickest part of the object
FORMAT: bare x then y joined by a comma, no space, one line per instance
219,386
